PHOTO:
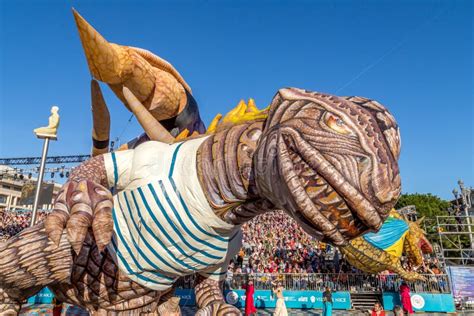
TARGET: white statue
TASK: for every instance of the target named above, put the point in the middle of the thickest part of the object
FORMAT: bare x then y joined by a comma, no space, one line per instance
50,130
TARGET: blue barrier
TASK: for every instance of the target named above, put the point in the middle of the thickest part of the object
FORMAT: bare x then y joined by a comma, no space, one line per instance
187,296
426,302
293,299
264,299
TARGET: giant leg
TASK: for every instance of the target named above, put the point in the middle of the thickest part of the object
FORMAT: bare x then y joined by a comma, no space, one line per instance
28,262
210,300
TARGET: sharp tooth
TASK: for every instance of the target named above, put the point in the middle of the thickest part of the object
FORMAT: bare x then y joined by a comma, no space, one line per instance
346,215
315,191
331,198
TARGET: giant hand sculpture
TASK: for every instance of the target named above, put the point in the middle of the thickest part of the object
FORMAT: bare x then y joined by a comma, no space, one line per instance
165,96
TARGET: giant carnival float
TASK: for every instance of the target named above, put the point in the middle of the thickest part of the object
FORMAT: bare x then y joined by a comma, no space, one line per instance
128,224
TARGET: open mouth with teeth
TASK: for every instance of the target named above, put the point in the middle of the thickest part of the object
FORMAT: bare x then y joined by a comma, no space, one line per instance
330,203
425,245
330,163
420,247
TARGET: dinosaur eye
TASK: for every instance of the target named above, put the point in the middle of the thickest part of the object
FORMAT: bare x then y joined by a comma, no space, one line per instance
336,124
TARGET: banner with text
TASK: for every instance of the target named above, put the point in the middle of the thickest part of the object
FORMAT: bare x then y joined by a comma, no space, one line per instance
293,299
462,281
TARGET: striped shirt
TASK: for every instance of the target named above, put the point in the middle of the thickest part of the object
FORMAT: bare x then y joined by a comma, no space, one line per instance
164,227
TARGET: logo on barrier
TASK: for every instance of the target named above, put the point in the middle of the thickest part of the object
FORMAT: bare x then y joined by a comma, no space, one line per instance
312,299
417,301
232,298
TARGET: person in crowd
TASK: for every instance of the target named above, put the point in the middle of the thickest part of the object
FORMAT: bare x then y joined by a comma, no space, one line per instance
280,309
398,311
405,298
229,277
240,258
249,302
378,310
327,302
57,307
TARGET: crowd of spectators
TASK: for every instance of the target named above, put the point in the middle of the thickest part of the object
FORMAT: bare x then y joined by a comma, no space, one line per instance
430,265
13,222
274,243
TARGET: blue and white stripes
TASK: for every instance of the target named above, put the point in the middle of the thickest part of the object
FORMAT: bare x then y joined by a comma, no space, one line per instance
164,227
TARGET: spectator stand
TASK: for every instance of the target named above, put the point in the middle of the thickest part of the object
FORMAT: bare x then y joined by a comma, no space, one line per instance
14,221
276,249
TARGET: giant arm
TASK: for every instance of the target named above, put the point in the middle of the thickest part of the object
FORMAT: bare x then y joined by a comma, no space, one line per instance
166,103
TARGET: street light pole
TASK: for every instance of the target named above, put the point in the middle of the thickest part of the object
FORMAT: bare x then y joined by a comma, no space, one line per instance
47,133
40,181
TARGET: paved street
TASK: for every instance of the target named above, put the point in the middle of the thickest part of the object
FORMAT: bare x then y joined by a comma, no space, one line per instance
190,311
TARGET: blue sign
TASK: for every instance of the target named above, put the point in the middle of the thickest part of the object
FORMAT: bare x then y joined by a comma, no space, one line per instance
187,296
426,302
45,296
293,299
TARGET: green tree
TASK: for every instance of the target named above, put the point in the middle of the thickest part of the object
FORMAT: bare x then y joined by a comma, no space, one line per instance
426,204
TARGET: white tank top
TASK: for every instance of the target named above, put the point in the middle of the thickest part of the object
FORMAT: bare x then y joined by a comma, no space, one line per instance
164,227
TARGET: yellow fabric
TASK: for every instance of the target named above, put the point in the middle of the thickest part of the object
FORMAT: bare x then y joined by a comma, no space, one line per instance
397,248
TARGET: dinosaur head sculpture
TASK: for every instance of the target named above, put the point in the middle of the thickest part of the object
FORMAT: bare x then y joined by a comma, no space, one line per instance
330,162
416,243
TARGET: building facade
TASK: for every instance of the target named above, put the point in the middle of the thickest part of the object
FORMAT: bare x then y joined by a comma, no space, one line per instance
11,186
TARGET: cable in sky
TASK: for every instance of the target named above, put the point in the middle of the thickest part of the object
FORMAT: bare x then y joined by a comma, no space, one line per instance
391,50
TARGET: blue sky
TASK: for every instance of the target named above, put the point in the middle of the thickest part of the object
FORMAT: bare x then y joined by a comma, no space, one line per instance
415,57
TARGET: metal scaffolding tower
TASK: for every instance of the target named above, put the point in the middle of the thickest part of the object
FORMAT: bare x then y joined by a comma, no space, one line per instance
455,235
456,231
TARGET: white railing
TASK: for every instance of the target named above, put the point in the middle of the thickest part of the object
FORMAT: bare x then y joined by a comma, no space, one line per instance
355,283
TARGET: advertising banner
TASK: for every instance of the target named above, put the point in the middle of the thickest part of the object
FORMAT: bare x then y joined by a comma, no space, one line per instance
293,299
187,296
462,281
426,302
264,299
28,193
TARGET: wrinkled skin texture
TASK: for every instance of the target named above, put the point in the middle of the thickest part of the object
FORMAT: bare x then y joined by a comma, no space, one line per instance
329,162
370,259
